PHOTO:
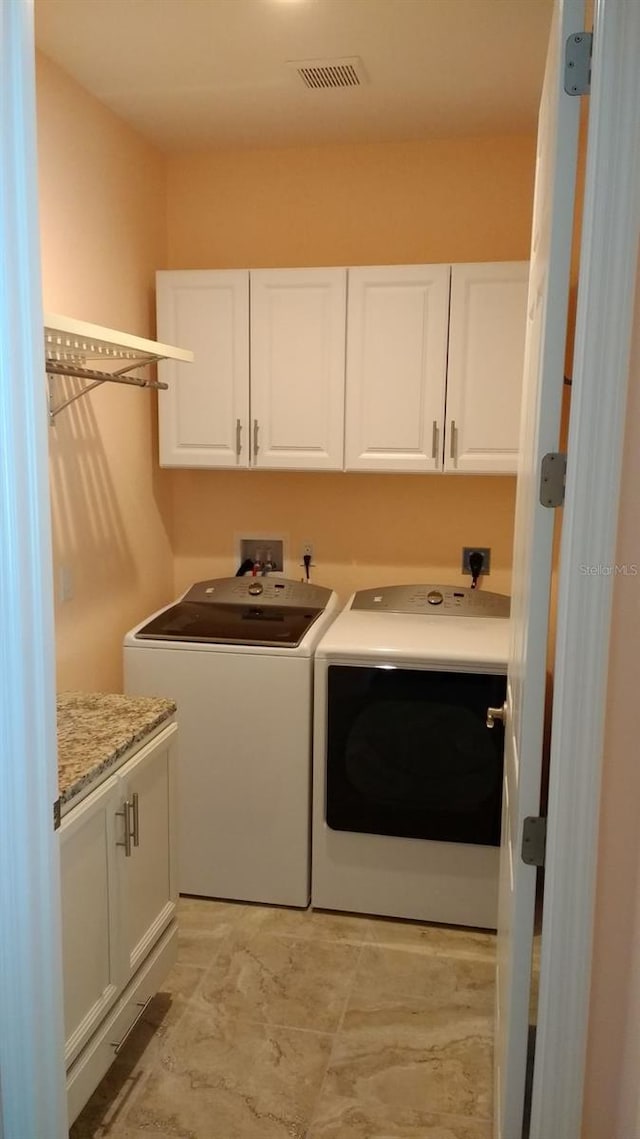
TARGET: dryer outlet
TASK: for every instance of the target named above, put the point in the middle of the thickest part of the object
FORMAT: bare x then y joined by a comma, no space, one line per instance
486,559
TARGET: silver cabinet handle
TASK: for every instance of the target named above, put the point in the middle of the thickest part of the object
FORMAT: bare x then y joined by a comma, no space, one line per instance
454,440
135,810
117,1044
434,440
494,714
238,436
255,437
125,814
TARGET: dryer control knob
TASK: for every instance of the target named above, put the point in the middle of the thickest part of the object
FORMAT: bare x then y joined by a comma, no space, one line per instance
435,597
255,588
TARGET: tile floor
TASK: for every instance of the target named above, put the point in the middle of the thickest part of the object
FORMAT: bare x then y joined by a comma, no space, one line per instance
282,1024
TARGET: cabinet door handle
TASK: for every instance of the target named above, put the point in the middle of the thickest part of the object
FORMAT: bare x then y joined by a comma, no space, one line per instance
117,1044
238,436
125,814
136,819
454,440
434,440
255,437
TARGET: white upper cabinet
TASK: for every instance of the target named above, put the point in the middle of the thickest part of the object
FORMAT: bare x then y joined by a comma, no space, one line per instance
396,367
486,357
297,368
204,414
288,376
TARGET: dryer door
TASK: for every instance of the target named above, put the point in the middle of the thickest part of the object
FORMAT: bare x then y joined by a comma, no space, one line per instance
409,754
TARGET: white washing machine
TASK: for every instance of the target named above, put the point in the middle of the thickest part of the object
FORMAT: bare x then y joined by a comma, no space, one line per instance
236,654
407,775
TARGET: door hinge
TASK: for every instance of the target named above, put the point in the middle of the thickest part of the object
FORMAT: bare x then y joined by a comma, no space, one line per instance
553,471
534,840
577,63
57,814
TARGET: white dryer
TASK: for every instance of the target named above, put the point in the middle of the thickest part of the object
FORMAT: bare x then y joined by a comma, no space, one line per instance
236,654
407,774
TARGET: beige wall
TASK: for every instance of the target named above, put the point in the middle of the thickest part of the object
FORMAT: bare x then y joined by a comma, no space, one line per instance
612,1095
462,200
102,206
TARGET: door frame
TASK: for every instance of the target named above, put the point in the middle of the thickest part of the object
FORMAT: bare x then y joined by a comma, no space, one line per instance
33,1100
32,1081
604,325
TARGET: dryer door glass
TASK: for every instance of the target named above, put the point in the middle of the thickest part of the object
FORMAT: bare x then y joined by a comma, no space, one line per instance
409,753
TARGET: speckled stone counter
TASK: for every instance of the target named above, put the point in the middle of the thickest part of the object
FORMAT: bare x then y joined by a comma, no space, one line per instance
95,730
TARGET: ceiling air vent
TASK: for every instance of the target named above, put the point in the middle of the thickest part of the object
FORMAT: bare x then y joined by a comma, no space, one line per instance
321,74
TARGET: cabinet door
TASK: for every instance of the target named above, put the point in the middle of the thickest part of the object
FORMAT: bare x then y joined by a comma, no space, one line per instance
396,367
297,368
486,358
204,414
147,866
90,918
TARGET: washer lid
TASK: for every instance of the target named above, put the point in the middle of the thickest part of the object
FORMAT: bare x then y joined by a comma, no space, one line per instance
240,611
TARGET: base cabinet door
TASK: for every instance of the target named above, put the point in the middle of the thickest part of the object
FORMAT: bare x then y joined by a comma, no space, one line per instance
149,887
486,361
90,914
119,896
396,367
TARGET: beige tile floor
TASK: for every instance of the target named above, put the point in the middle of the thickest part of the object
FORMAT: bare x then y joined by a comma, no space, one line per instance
282,1024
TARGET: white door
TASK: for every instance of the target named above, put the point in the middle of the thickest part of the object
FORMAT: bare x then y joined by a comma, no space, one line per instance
396,367
147,862
298,321
204,414
487,328
542,395
90,919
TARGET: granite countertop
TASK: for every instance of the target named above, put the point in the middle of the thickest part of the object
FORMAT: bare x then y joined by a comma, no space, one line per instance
95,729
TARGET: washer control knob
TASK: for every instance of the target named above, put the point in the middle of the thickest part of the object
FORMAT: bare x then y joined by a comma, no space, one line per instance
435,597
255,589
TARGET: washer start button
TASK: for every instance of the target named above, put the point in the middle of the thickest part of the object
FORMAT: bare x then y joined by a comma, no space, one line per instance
435,597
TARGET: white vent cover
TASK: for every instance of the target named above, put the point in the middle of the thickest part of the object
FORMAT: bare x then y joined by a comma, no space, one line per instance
322,74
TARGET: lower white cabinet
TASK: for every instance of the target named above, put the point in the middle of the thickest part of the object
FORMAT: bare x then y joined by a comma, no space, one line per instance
119,894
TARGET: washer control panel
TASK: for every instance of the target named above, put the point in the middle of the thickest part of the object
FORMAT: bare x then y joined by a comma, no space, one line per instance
447,600
268,590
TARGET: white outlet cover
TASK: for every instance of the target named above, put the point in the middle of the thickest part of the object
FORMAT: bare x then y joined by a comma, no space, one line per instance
66,583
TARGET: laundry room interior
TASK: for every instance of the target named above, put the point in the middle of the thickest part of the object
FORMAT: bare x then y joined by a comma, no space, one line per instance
132,535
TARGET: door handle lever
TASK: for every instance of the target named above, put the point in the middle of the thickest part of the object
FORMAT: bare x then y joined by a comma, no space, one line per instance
494,714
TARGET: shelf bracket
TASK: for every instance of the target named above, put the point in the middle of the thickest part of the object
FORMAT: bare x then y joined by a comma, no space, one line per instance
55,368
71,347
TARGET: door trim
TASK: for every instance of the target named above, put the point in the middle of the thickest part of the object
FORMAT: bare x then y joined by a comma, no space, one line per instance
603,336
31,1036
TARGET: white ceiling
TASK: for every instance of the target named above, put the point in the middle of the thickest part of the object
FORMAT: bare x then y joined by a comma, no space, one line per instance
203,73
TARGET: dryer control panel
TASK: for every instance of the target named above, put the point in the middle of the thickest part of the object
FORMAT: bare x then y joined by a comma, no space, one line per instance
447,600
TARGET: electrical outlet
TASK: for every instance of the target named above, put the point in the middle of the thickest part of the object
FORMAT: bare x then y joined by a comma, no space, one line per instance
486,559
263,548
307,550
65,583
